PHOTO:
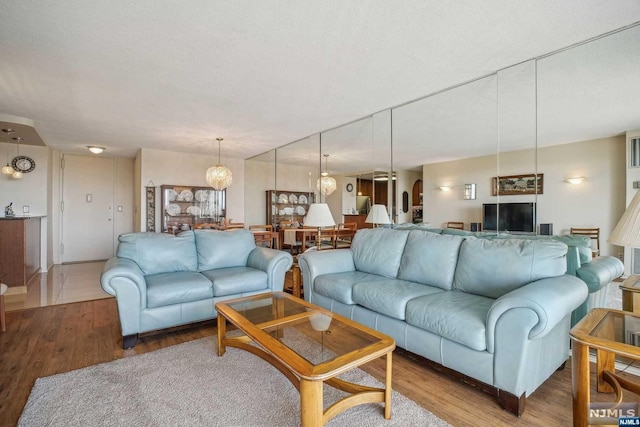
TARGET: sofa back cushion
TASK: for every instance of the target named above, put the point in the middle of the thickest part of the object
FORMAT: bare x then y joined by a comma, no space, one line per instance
379,250
159,252
223,249
491,268
430,258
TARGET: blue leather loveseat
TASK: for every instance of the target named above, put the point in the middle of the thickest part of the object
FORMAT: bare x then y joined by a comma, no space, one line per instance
162,280
497,311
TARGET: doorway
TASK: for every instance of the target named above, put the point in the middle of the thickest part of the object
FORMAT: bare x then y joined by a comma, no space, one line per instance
88,195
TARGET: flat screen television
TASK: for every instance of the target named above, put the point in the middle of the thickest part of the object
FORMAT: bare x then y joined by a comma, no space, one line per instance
512,217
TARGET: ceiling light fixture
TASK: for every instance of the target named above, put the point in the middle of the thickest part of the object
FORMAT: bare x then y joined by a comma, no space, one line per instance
16,173
95,149
445,188
219,177
7,170
326,184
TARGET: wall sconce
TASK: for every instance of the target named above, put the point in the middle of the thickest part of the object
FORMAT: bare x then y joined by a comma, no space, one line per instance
469,192
445,188
576,181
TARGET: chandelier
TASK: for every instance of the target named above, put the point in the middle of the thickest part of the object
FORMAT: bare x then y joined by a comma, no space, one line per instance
7,170
219,177
17,174
326,184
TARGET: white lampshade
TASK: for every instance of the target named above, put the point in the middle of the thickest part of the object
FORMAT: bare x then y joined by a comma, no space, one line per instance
16,175
7,170
378,215
627,231
326,185
319,215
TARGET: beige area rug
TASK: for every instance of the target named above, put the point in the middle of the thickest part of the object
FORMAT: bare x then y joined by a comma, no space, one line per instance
189,385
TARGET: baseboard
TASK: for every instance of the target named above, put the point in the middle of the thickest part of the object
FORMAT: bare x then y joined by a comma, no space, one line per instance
620,367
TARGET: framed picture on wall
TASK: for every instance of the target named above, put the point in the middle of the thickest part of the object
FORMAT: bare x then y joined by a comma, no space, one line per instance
517,184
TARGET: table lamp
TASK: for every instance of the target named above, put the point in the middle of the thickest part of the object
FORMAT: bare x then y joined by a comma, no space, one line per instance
319,216
378,215
627,231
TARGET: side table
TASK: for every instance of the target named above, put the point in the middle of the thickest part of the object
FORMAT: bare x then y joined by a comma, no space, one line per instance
611,332
631,294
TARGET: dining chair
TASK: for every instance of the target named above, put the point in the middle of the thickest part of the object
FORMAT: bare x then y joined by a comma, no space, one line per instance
592,233
344,236
455,225
327,238
263,235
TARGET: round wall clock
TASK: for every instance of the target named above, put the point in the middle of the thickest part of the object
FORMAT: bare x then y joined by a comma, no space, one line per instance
23,164
349,187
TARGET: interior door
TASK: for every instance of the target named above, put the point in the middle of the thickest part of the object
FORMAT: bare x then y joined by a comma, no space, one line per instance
88,194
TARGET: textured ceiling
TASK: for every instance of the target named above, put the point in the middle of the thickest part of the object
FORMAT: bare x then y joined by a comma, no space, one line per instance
175,75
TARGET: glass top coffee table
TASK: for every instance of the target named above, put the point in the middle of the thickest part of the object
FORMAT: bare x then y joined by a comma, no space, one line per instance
611,332
310,346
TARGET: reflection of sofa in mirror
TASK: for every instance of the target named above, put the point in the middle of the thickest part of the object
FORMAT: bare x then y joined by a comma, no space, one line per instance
162,280
497,311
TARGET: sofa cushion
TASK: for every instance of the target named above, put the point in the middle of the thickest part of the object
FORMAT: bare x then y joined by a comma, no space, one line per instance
222,249
159,252
177,288
491,268
430,258
379,250
453,315
389,297
236,280
339,286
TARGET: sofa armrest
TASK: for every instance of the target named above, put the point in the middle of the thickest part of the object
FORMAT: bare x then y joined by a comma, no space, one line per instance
316,263
123,278
273,262
600,272
551,299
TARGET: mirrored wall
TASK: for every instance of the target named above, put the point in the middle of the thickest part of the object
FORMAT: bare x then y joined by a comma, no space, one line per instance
499,153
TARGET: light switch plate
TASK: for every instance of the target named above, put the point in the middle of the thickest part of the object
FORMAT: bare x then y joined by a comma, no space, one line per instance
25,209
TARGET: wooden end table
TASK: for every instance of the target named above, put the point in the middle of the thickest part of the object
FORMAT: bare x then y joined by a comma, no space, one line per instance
268,319
631,294
611,332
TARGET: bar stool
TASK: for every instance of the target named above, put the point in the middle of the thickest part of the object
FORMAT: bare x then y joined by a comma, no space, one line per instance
3,289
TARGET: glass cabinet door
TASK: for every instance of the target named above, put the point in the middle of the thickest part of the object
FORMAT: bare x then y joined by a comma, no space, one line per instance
185,207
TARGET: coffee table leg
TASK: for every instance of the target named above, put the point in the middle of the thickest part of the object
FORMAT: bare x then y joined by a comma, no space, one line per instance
387,389
311,413
580,382
222,332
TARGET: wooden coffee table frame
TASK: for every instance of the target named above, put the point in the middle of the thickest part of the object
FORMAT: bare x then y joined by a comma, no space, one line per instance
305,376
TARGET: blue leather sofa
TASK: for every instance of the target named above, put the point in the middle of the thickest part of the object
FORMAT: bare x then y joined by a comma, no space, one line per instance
162,280
596,272
497,311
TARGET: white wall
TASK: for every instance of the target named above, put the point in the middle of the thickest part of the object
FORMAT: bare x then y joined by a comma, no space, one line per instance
259,177
31,189
598,202
187,169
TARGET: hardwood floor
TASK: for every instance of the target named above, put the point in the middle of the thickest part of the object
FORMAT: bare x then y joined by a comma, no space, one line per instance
54,339
49,340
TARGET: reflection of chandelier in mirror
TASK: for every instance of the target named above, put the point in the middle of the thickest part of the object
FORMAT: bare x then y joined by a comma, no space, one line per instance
219,177
7,170
16,173
326,184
